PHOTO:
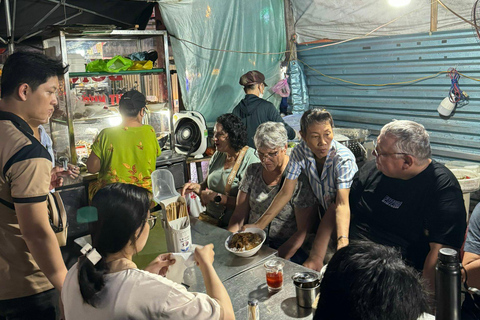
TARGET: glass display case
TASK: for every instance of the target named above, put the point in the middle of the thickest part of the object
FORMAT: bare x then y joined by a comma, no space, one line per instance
88,101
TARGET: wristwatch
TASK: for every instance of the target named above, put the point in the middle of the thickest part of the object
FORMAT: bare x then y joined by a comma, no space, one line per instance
217,199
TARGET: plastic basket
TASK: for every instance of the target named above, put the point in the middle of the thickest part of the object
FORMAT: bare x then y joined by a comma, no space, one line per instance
466,165
469,180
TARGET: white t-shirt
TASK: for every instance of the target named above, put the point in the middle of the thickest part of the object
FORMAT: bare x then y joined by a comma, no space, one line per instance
137,294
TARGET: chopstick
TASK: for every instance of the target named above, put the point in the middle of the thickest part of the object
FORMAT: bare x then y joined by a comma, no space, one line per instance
176,210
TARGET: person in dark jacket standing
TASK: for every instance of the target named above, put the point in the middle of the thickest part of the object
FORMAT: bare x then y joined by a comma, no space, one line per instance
253,110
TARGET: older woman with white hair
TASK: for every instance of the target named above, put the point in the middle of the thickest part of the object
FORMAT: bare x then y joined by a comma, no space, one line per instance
260,185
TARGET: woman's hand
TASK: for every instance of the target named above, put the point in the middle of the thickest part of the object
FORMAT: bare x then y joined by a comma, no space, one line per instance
191,187
206,196
204,256
160,264
314,265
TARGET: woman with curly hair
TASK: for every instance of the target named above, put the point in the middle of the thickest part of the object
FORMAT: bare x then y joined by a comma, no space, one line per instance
219,196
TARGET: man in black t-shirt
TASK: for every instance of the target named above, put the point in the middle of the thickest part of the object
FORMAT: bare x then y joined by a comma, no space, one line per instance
407,200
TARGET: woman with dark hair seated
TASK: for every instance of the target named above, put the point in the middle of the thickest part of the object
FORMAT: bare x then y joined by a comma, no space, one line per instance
106,284
225,171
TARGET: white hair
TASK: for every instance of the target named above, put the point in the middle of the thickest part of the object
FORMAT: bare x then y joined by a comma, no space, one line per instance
271,135
410,138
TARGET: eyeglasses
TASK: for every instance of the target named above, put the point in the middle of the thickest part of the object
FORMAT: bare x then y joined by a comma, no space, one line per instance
269,155
152,220
378,154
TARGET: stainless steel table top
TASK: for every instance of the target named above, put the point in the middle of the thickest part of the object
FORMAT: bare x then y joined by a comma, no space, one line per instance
252,284
226,263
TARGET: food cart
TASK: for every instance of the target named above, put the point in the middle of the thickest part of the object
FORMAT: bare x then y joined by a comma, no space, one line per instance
88,101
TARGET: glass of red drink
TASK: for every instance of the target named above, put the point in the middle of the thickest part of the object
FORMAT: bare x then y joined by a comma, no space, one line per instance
274,273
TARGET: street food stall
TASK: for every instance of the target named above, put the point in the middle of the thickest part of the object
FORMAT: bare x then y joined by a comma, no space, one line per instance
88,100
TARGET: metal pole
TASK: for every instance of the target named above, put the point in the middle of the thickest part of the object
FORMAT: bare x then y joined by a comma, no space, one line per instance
8,20
169,91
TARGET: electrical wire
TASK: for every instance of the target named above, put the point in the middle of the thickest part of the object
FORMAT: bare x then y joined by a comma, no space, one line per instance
328,44
344,41
455,95
387,84
456,14
301,50
377,84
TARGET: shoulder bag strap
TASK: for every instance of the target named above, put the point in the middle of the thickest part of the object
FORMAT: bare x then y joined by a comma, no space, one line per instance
7,204
231,176
280,185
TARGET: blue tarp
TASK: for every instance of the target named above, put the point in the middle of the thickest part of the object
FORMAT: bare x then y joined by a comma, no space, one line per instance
209,78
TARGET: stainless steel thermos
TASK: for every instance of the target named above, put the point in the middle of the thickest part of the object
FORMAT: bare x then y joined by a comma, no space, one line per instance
448,285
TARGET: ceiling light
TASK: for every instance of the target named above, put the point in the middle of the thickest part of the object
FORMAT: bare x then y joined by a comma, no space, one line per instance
398,3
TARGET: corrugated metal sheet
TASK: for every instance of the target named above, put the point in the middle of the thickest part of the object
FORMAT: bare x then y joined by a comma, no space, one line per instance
397,59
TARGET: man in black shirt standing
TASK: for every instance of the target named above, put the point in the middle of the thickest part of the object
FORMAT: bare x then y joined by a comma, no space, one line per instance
407,200
254,110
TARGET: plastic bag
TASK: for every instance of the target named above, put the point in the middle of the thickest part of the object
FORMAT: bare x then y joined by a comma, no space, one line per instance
151,55
194,205
97,66
118,63
281,88
141,65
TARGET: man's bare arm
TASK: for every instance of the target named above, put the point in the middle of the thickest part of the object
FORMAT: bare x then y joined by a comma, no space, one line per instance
41,240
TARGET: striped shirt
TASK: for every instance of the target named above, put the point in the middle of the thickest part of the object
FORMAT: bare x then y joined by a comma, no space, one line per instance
337,173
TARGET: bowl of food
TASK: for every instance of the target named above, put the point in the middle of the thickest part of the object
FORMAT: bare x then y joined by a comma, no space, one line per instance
245,243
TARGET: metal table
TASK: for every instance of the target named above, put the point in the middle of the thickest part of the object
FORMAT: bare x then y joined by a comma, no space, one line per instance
280,305
226,263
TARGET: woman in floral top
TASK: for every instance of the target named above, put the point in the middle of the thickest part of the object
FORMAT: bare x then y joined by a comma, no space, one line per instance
126,153
289,228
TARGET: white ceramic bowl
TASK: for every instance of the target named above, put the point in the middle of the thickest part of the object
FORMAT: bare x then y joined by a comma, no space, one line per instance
251,252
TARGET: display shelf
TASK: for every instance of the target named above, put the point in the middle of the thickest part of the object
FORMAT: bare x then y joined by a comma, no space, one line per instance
106,74
79,99
94,118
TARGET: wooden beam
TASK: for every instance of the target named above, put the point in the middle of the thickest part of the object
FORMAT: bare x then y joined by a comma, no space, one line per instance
290,30
434,16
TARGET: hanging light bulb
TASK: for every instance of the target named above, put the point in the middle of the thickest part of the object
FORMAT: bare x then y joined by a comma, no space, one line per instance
398,3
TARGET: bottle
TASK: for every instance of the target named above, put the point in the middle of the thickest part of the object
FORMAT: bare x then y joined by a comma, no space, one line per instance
448,285
253,310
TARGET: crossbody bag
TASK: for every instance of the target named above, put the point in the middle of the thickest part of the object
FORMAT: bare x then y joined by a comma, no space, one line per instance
231,177
57,216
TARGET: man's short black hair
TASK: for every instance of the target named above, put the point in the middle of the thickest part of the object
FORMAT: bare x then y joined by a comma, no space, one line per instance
368,281
29,67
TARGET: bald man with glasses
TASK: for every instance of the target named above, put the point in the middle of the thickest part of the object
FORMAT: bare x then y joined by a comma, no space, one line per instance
406,200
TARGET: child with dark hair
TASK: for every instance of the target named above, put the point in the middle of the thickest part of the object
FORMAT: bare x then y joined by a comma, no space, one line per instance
106,283
368,281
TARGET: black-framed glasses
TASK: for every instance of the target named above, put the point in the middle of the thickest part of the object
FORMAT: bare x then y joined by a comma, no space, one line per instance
152,220
378,154
269,155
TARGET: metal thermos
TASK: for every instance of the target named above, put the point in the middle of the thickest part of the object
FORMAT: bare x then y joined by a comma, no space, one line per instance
307,288
448,285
